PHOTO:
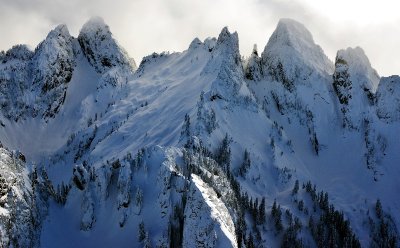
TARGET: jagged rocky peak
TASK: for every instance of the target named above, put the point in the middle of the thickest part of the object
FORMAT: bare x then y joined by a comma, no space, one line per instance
36,82
208,44
228,39
360,70
354,82
253,68
388,98
227,46
60,30
224,34
225,51
101,49
226,61
195,43
55,49
53,65
292,55
225,39
19,52
57,42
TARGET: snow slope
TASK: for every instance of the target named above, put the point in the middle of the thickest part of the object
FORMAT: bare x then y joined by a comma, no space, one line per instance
219,212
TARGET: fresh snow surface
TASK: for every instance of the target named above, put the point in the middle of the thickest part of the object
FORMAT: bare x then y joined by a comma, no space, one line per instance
219,212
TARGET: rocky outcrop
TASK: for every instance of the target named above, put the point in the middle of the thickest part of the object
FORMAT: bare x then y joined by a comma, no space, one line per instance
18,224
388,99
354,82
53,65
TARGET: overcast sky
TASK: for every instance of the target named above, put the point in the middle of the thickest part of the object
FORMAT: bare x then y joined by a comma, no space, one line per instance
146,26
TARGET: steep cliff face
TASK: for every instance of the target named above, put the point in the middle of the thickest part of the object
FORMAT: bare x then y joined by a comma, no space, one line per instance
387,99
19,224
52,68
41,77
355,83
15,71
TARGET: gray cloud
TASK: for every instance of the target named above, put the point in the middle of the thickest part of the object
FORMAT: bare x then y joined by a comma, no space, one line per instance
146,26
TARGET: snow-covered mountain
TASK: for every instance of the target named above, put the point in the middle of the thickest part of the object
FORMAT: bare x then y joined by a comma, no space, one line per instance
200,148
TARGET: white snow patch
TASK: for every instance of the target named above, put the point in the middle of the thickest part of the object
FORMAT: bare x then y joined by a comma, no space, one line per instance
219,212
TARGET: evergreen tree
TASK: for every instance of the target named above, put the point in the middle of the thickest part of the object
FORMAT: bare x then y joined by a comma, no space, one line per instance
255,210
289,217
297,223
378,209
290,240
384,231
141,232
250,241
274,209
261,212
139,198
223,155
311,225
146,241
185,133
276,213
278,220
244,167
295,188
301,205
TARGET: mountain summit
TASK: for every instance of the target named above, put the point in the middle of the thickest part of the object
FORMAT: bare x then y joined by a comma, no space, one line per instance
100,48
292,50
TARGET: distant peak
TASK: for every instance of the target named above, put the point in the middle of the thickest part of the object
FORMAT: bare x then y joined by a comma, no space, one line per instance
95,21
290,22
293,33
349,54
21,52
195,43
59,39
60,30
360,68
225,31
225,36
94,24
292,47
101,49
